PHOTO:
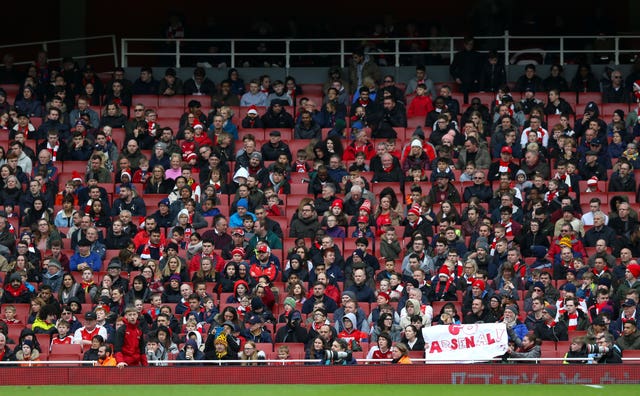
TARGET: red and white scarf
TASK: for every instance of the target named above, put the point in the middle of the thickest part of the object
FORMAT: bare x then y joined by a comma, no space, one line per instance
53,151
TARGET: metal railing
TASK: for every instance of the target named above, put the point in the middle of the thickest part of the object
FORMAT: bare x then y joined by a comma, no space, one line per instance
86,42
561,47
278,362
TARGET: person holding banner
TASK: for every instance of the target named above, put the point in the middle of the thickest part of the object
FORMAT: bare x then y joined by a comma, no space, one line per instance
413,339
479,313
530,348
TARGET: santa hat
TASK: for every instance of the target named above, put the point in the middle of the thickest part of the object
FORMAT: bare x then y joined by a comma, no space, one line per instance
253,109
126,172
416,210
191,156
592,181
75,176
444,271
366,205
337,202
634,269
479,284
197,124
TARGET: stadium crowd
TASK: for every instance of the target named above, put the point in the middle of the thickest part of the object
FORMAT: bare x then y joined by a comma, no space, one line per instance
280,220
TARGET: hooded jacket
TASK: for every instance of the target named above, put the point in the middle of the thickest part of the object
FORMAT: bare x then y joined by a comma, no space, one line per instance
353,334
197,354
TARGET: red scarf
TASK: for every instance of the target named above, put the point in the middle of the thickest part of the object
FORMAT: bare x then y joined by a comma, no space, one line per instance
446,286
508,230
53,151
86,285
504,166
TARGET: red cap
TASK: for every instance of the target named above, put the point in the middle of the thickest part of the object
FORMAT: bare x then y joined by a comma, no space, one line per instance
363,219
337,202
506,149
239,251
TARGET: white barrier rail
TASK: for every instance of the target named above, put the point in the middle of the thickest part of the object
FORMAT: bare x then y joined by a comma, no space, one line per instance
506,44
277,362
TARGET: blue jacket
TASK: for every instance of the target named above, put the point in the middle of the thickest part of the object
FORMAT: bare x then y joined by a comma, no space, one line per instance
94,261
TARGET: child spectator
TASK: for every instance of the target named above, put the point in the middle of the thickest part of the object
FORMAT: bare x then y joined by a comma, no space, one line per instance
272,206
421,104
388,271
301,165
129,345
63,336
363,230
10,315
209,209
359,163
141,175
389,245
188,145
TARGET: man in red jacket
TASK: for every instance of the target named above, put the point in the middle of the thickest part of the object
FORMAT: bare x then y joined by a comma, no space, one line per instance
129,342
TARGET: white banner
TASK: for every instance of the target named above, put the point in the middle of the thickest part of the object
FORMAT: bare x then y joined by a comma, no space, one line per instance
472,342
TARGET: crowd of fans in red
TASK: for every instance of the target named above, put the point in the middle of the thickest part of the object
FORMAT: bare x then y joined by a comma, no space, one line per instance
332,222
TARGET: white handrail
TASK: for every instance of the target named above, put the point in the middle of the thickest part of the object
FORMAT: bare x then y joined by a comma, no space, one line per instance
559,46
277,362
44,45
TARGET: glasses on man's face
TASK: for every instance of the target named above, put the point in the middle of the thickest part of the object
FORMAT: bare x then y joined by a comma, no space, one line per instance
478,178
139,109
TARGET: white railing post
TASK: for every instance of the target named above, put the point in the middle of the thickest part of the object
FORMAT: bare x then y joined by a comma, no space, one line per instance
452,50
123,55
561,51
342,54
506,47
397,54
287,60
616,54
177,53
115,50
233,53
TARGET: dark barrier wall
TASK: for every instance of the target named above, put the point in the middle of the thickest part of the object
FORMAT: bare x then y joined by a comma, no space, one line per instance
379,374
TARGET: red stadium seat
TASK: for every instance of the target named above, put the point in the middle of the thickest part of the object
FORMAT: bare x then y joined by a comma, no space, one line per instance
150,101
171,101
586,97
204,100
